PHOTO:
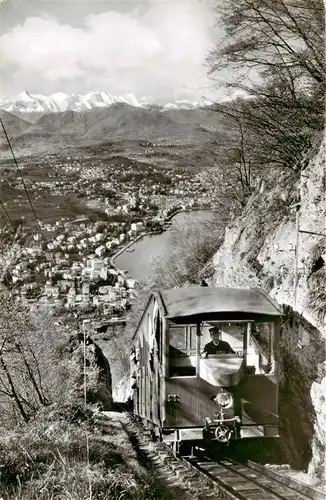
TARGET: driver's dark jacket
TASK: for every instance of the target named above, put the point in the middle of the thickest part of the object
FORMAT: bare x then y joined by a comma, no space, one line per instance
221,348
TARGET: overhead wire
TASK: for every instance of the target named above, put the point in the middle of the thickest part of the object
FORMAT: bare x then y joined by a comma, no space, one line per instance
16,230
19,171
23,248
7,214
11,251
22,179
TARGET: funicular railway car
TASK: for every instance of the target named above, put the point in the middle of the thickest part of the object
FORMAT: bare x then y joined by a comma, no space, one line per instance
205,365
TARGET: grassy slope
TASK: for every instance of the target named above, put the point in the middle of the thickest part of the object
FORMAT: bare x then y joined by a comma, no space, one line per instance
47,459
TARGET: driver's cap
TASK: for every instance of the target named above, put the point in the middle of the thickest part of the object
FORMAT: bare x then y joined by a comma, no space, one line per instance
214,329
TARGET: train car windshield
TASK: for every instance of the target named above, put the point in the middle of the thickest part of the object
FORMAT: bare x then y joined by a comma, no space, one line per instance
254,343
222,339
220,342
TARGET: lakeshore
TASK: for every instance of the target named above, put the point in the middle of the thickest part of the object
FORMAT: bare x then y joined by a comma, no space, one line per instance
124,248
147,247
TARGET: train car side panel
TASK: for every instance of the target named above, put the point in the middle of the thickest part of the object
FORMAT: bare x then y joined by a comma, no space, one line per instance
149,393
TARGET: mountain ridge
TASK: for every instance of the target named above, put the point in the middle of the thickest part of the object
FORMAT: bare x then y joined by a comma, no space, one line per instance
27,102
191,131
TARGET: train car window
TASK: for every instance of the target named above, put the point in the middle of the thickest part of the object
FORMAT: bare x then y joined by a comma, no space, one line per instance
260,349
230,338
141,349
182,351
158,335
192,338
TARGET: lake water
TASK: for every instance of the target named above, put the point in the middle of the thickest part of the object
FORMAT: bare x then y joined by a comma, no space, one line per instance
138,262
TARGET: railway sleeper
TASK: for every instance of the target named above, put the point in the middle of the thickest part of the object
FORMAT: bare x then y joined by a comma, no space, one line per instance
255,493
181,471
164,471
173,482
178,465
204,493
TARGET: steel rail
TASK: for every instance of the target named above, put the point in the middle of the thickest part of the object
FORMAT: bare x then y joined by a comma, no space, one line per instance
222,485
292,489
295,484
263,472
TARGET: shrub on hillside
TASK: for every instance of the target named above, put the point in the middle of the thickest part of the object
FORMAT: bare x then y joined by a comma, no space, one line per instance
277,50
98,374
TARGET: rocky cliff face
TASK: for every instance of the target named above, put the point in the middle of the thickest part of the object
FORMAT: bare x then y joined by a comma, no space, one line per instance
259,250
98,374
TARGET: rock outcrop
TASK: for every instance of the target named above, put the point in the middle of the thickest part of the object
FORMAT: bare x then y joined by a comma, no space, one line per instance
98,375
259,250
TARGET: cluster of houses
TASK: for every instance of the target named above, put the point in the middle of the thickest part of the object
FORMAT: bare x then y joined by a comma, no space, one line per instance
82,238
67,263
89,284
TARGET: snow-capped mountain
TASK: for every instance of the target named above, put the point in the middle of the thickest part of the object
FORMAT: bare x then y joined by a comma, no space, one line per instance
27,102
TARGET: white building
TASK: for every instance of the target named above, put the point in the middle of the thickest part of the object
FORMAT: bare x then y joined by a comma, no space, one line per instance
99,237
110,292
130,283
51,291
137,226
96,268
100,251
132,233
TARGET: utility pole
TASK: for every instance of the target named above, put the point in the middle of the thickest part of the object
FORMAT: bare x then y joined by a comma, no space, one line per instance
296,250
85,372
85,325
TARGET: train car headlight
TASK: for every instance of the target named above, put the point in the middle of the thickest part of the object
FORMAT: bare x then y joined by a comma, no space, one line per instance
224,399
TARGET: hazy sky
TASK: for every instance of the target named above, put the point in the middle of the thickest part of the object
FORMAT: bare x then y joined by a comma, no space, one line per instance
149,48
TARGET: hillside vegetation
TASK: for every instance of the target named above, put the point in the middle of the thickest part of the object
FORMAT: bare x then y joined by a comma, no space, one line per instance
276,52
72,452
270,159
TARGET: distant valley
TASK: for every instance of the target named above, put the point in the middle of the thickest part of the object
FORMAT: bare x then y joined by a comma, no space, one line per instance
151,131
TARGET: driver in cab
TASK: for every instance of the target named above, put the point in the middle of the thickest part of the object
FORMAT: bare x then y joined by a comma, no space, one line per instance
216,345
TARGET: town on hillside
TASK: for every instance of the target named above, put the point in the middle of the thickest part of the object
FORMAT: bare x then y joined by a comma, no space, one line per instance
86,212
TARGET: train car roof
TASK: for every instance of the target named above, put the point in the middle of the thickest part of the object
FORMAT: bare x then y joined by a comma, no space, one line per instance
196,304
217,303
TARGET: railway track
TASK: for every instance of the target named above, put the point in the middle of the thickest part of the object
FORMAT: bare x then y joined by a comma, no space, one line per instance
252,481
202,477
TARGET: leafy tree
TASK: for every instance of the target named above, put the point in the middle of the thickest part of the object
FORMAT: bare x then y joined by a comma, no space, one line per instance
280,43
